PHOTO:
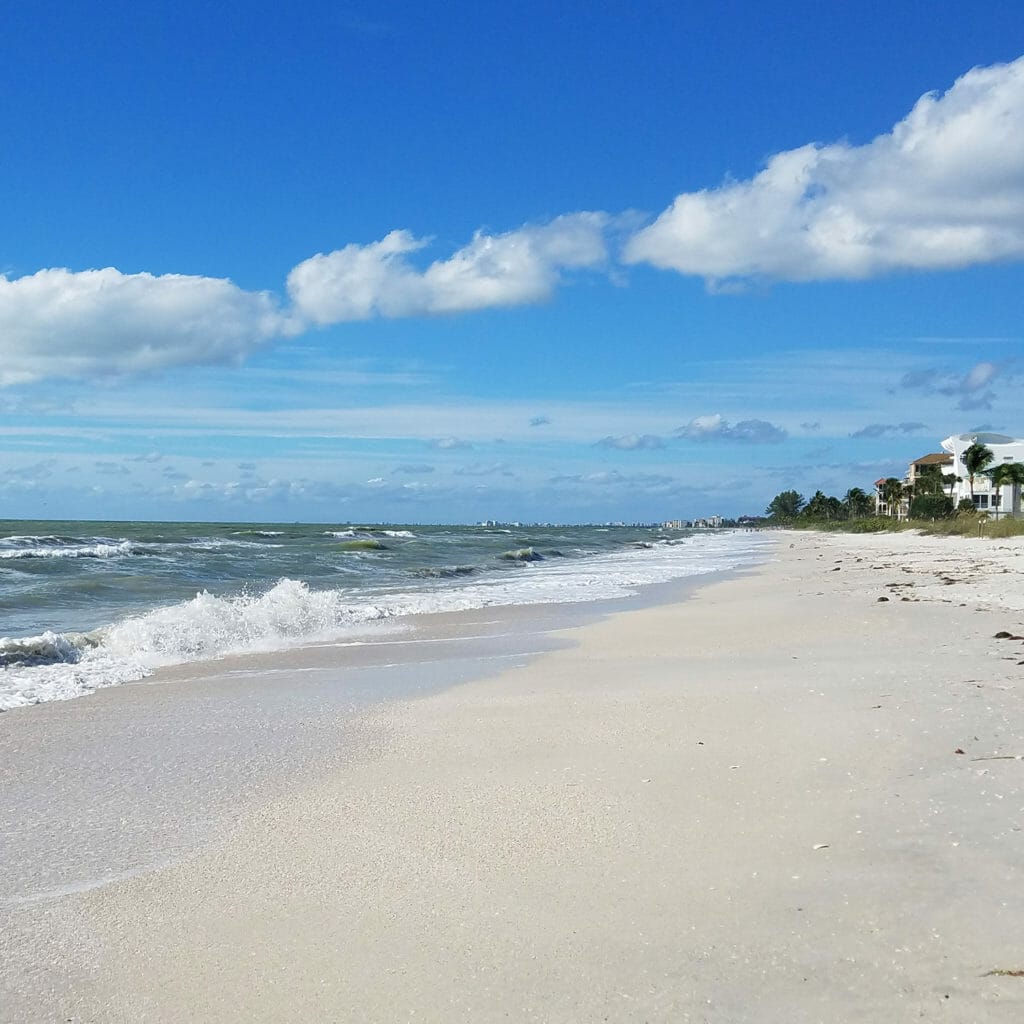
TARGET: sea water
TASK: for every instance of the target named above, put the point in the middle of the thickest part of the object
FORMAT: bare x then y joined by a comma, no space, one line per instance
85,605
262,644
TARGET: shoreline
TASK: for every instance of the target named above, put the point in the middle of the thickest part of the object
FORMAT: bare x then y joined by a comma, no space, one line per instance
209,741
219,598
745,806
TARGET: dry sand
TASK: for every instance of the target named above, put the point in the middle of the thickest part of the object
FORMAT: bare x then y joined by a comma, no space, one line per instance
782,800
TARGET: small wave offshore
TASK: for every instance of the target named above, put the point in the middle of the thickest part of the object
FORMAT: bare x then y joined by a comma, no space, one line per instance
18,548
291,612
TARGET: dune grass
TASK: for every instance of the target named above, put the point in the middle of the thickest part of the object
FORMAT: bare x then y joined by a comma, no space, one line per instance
972,526
963,525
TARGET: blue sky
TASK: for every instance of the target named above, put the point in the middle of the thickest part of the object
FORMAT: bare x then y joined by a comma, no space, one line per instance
435,263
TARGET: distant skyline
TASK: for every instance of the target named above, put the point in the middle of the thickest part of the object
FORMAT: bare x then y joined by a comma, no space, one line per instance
418,263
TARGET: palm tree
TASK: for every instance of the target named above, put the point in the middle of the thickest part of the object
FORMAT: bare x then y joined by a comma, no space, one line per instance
976,460
785,505
817,507
892,495
858,503
1009,473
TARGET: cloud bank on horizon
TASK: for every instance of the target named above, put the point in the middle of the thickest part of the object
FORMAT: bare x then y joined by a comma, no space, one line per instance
944,189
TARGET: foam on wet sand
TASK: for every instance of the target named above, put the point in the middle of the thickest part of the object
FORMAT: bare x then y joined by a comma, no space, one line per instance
783,799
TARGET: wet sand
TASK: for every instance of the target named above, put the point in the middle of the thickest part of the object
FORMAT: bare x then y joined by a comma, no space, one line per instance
782,799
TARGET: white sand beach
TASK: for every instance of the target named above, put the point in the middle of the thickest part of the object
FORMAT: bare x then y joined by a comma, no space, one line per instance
796,796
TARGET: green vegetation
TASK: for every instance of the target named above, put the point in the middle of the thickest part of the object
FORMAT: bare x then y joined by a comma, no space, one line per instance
931,506
785,506
790,509
1009,473
977,458
971,525
927,501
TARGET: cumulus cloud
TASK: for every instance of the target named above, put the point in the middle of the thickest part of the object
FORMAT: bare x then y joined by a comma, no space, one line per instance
41,470
258,491
448,443
943,189
631,442
358,282
63,323
612,477
716,428
539,421
59,323
972,390
888,429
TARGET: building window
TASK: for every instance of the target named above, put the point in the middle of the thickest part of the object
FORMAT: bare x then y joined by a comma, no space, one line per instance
981,500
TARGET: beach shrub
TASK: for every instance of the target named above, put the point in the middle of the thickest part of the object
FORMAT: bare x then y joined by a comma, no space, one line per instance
872,524
973,526
931,506
966,505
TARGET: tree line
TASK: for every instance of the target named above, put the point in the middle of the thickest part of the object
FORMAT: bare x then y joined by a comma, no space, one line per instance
929,496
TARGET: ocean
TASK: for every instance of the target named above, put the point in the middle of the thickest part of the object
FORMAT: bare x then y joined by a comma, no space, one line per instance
85,605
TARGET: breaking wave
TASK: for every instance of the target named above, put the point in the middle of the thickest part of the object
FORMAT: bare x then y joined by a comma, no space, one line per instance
56,666
288,613
16,548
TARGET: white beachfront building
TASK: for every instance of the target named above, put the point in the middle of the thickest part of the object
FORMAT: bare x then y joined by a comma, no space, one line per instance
987,498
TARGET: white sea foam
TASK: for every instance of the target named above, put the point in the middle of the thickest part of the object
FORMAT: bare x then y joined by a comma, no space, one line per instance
60,666
99,548
17,548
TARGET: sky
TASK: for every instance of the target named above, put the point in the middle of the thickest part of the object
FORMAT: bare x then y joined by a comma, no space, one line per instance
424,262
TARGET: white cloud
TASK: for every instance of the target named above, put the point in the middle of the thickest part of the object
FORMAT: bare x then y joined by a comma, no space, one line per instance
257,491
631,442
979,376
717,428
612,477
943,189
973,389
59,323
358,282
448,443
